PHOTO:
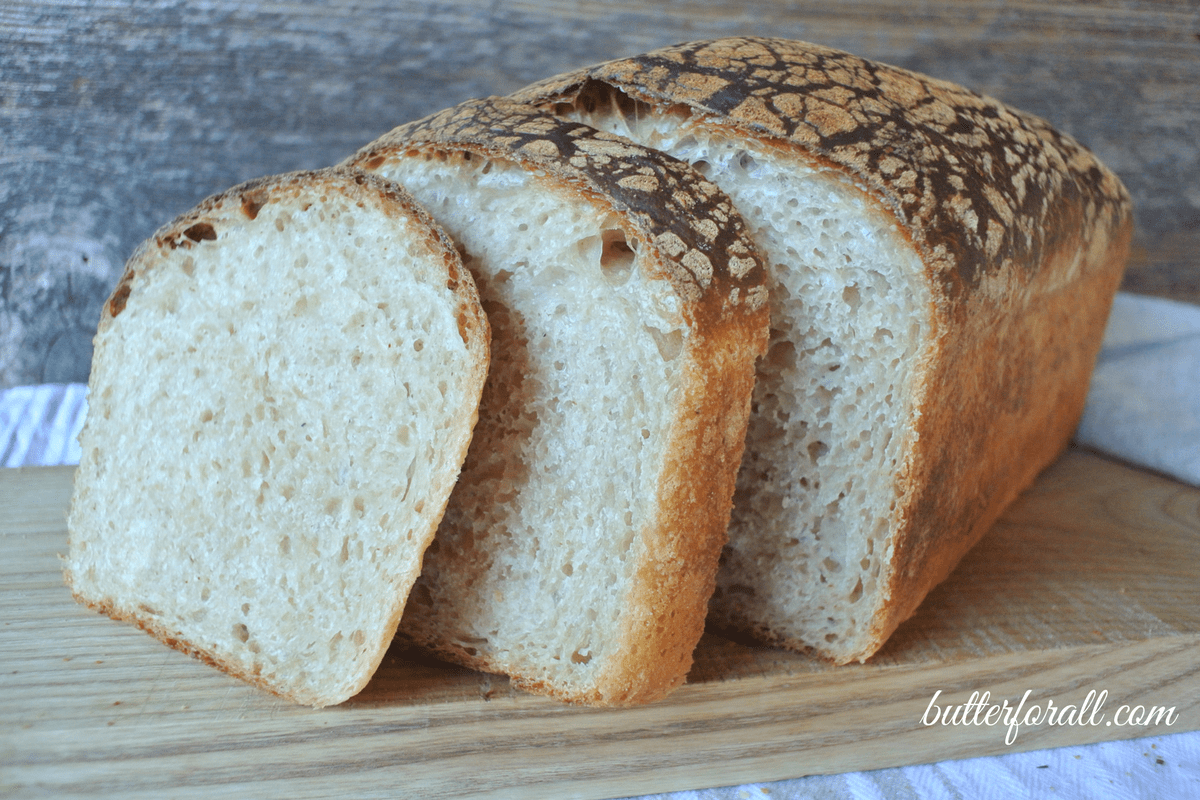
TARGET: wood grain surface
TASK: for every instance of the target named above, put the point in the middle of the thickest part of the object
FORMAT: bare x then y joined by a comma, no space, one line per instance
1088,583
115,115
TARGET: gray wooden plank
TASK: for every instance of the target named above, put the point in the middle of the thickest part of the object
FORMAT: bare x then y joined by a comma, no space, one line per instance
116,116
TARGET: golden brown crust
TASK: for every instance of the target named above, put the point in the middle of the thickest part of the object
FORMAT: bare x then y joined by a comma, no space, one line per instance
205,222
678,574
1023,233
704,250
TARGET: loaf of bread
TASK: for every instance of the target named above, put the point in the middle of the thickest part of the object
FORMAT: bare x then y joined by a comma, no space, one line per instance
283,390
941,268
579,548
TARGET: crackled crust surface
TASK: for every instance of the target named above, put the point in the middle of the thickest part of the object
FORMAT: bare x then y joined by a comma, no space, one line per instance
702,248
978,185
1023,235
686,218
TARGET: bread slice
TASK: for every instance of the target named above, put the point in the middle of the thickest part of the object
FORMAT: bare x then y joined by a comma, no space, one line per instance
579,548
283,390
941,268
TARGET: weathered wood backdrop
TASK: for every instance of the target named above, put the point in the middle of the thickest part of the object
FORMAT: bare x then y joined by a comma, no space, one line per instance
115,116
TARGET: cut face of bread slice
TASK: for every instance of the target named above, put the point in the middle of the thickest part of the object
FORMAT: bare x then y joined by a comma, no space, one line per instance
283,390
940,269
578,550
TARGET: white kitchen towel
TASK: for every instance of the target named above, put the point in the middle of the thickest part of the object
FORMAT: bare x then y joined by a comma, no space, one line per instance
39,425
1143,405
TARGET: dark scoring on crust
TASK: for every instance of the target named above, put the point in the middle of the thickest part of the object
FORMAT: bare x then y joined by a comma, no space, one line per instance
688,219
980,187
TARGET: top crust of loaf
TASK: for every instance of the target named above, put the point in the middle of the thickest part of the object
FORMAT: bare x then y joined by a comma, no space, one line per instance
686,219
979,187
229,211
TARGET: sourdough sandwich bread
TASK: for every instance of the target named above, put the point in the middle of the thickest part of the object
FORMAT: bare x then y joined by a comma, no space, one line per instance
579,548
941,268
284,386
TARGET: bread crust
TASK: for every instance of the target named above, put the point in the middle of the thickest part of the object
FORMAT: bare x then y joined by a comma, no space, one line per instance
233,207
702,248
1023,234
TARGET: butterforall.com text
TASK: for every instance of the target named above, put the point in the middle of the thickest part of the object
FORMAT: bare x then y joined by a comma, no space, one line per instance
980,710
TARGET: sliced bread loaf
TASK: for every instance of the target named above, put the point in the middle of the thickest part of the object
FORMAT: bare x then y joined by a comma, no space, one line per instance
941,268
579,549
283,390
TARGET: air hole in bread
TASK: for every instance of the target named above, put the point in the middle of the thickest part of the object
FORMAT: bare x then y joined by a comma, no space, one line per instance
408,479
200,232
782,355
616,256
746,161
851,296
669,343
857,591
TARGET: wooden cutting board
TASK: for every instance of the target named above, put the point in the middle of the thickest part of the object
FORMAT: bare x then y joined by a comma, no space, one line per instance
1090,583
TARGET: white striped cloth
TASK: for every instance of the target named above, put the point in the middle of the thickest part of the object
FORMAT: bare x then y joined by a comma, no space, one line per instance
39,425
